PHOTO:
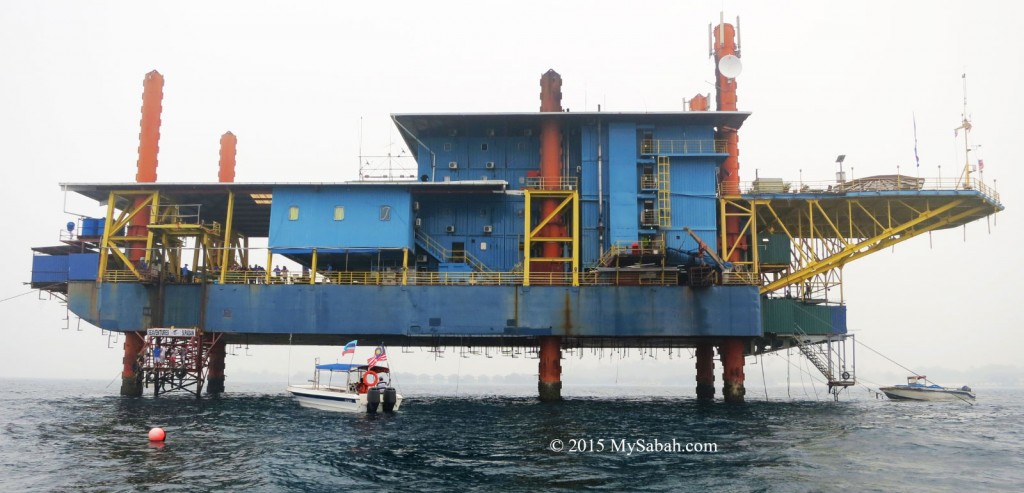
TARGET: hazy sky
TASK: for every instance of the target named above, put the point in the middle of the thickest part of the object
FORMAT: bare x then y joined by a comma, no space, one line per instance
293,79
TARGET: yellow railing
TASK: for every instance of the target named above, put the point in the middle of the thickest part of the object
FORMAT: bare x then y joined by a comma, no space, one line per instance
707,146
394,278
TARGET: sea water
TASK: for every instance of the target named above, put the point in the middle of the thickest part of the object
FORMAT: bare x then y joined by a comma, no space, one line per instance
81,436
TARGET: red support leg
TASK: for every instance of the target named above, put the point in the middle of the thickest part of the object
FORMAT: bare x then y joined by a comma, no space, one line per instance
550,381
705,371
131,373
732,373
215,377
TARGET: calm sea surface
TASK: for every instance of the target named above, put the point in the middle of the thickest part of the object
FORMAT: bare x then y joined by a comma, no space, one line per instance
80,436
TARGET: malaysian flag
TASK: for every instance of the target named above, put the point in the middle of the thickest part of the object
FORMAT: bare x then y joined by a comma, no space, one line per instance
378,355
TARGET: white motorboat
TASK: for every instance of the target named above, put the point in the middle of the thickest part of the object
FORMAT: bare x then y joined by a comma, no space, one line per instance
359,389
914,390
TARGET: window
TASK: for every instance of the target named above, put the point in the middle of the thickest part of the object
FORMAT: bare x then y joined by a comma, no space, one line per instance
339,213
483,147
385,213
520,146
293,213
447,147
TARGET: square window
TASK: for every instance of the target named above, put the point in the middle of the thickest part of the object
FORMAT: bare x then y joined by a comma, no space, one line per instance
293,213
483,147
447,147
385,213
339,213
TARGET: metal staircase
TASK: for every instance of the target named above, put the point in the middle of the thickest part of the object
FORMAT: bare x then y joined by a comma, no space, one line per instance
829,357
442,254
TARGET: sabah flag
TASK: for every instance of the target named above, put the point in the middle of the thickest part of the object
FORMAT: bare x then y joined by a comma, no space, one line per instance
350,348
378,355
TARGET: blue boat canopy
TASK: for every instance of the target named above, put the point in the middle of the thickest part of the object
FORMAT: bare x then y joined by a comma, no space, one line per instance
350,367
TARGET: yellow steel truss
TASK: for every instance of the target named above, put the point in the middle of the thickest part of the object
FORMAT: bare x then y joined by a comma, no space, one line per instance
168,230
569,199
827,233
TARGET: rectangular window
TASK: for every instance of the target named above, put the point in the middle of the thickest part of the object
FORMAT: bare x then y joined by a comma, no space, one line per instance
293,213
483,147
339,213
447,147
385,213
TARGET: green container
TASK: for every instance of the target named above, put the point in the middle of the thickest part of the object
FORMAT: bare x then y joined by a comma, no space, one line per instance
784,315
774,249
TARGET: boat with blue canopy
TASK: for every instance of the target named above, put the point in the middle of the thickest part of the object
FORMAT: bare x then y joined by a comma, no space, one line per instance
349,388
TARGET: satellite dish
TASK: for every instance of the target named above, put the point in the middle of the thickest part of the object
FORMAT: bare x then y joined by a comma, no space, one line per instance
730,66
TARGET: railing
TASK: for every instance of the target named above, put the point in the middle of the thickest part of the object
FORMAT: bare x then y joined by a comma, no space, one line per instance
648,218
546,183
706,146
867,184
648,182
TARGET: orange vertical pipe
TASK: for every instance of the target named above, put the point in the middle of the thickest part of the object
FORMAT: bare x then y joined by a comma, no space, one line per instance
729,179
228,142
149,146
550,165
699,103
149,135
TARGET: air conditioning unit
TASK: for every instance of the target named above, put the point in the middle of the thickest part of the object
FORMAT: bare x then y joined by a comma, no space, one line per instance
489,165
419,222
453,165
450,229
421,259
488,229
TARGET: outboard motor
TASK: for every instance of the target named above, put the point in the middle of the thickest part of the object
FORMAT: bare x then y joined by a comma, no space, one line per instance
390,398
373,400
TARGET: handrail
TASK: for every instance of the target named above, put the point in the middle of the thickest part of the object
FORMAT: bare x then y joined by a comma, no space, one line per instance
883,183
548,183
701,146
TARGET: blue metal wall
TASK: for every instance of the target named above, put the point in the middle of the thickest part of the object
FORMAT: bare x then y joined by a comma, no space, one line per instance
623,216
426,310
83,266
50,269
469,215
361,227
512,156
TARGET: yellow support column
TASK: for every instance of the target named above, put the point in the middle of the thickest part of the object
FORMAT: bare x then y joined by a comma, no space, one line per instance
526,237
405,266
105,242
225,255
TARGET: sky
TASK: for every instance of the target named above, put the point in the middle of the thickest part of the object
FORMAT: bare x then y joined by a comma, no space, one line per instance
309,86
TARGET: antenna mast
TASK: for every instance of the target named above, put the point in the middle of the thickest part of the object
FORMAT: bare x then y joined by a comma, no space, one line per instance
965,125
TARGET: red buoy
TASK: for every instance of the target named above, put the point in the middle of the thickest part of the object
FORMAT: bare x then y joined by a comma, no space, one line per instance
157,435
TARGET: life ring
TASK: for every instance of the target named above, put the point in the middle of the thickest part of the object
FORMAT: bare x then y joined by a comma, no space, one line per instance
366,378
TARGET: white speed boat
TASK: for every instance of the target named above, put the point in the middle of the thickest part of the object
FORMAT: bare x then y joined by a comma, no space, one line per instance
349,388
915,390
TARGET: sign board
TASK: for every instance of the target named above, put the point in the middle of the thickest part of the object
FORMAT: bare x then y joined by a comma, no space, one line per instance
171,332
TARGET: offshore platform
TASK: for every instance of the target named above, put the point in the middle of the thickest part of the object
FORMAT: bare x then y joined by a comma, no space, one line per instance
550,229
